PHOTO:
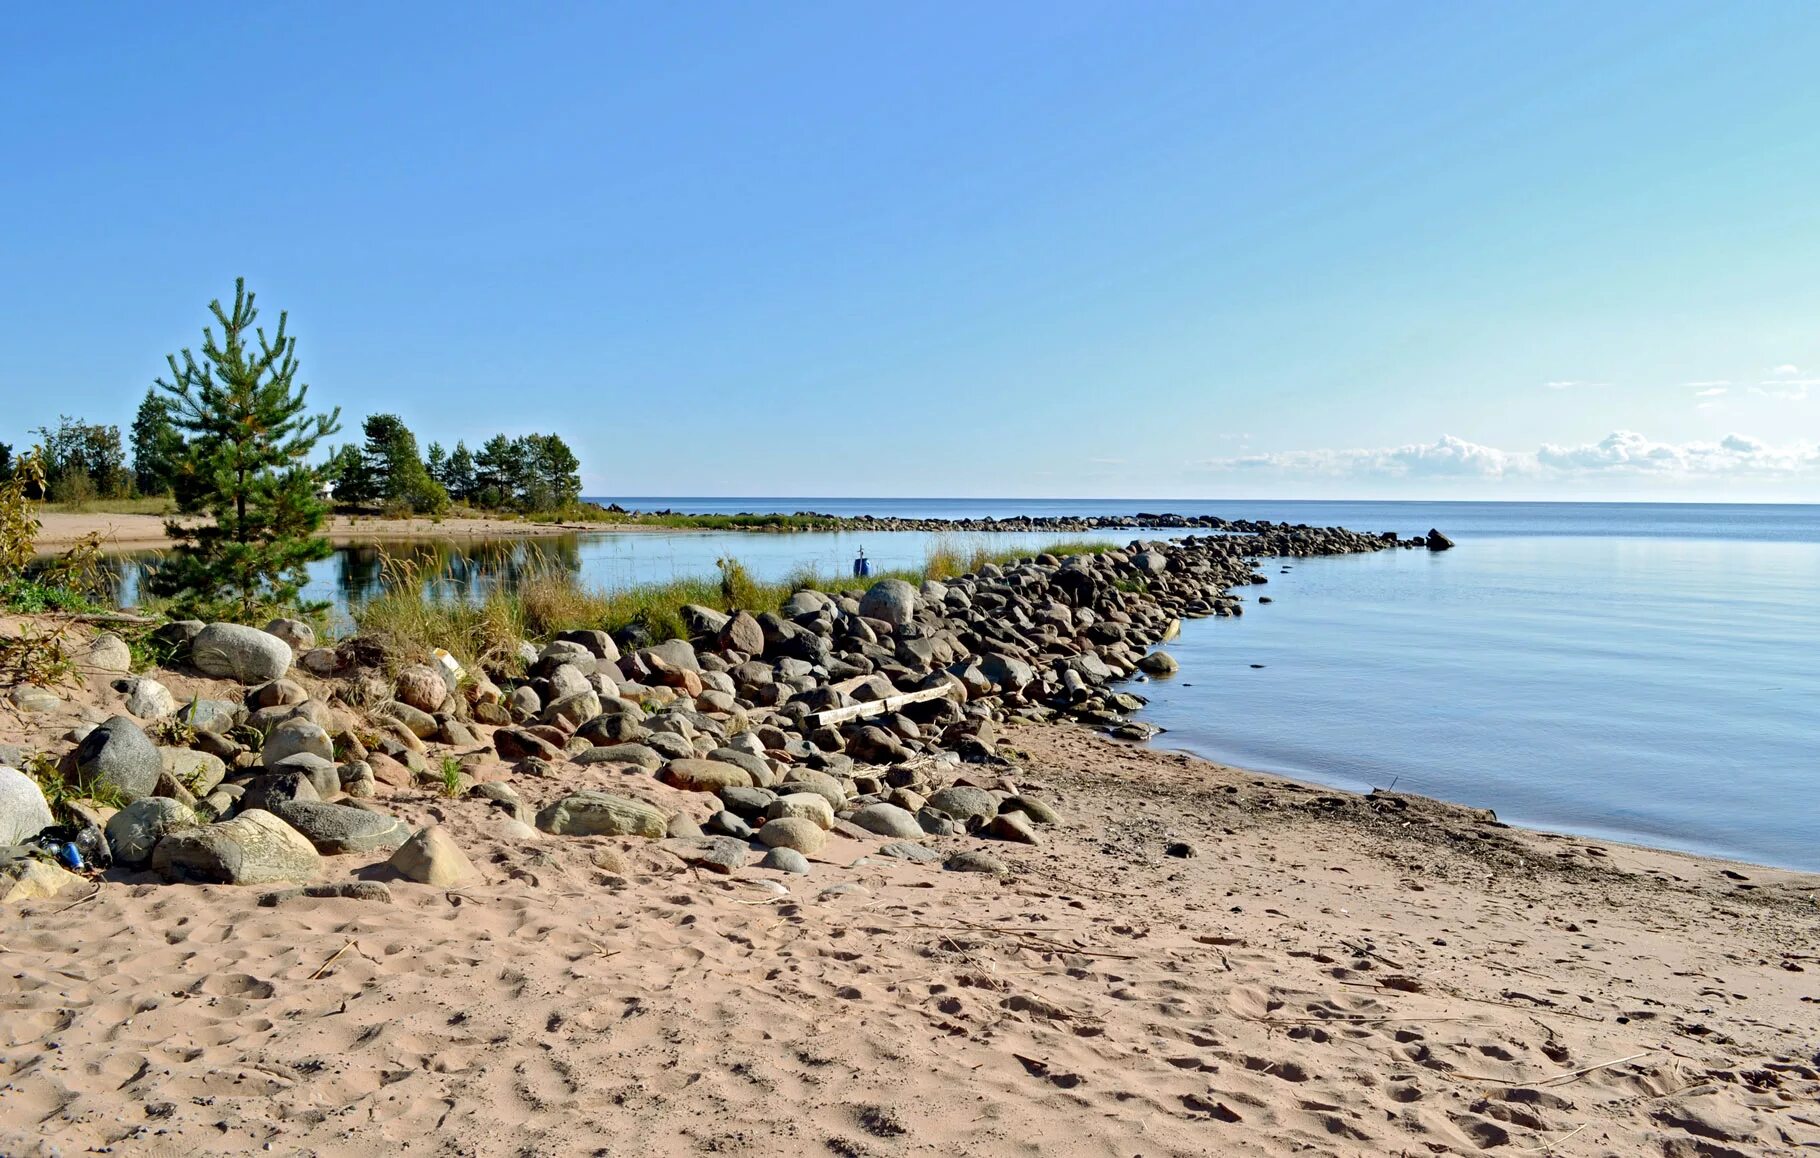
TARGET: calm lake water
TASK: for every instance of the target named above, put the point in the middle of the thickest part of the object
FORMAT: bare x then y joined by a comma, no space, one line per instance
1630,671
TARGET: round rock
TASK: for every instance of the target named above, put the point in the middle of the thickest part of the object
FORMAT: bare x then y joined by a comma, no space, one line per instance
231,651
793,832
118,756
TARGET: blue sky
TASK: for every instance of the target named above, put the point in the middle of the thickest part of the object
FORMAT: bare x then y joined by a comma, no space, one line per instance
1197,250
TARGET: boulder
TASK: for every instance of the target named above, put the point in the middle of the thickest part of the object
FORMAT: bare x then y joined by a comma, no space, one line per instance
421,687
806,805
891,600
1159,663
642,755
254,848
743,634
134,832
432,858
108,652
672,653
1436,541
1013,826
33,879
414,720
297,635
888,820
519,744
23,810
964,803
571,711
911,851
793,832
293,737
704,775
592,813
337,828
117,756
974,861
785,860
197,771
150,700
231,651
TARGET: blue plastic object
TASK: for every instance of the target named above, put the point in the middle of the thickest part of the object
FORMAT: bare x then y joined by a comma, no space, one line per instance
71,856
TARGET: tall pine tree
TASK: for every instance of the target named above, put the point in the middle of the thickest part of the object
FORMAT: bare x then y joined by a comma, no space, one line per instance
249,440
157,447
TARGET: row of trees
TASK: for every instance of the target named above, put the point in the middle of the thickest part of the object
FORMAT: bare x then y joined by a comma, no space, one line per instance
230,434
84,460
537,472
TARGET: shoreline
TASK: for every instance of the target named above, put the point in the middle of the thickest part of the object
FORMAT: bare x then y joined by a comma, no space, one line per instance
1003,931
129,533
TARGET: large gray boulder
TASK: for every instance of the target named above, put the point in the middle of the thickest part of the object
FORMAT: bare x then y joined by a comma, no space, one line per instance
889,820
602,814
134,832
337,828
117,756
108,652
23,810
891,600
231,651
254,848
197,771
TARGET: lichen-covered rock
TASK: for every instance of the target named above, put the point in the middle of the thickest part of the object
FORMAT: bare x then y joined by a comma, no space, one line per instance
134,832
964,803
33,879
806,805
337,828
602,814
422,688
254,848
150,700
108,652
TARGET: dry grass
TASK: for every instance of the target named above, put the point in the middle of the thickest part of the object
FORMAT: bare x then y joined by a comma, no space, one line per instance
547,599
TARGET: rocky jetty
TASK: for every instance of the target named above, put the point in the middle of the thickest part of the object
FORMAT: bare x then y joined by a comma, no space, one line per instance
875,713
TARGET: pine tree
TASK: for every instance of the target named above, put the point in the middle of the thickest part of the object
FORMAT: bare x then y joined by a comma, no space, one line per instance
249,439
436,461
494,473
346,471
458,476
157,447
398,474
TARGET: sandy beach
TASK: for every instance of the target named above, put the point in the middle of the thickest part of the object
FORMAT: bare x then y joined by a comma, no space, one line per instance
1325,974
146,532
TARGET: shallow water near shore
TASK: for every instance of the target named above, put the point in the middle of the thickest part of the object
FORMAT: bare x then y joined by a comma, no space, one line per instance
1641,672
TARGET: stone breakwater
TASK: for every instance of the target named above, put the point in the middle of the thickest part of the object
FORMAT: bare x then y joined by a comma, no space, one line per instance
1064,524
875,713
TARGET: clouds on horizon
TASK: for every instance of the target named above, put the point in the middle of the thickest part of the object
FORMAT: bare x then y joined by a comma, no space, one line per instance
1620,454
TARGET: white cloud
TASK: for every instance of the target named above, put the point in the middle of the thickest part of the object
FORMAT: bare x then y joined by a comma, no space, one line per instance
1712,391
1620,453
1785,390
1572,384
1786,370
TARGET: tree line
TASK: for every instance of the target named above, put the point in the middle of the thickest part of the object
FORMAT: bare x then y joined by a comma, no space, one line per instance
537,472
84,460
231,434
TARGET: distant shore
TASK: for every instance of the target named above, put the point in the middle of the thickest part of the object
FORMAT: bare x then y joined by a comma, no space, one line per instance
146,532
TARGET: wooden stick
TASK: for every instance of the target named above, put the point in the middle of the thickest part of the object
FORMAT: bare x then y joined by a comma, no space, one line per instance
1584,1070
1547,1146
83,901
336,957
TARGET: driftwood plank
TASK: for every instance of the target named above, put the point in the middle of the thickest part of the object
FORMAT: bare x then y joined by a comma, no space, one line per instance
877,707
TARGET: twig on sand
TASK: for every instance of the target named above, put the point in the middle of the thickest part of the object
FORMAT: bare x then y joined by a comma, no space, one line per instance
1550,1145
323,968
1347,1020
80,901
1553,1080
1366,950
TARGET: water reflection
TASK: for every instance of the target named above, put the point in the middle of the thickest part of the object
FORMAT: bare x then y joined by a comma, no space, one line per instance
471,567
